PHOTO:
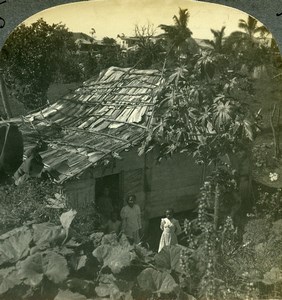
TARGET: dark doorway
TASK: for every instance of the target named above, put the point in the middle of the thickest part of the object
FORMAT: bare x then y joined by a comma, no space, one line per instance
112,182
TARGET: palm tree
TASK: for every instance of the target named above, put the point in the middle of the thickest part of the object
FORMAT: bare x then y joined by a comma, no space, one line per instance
178,32
179,35
248,39
251,27
217,42
246,44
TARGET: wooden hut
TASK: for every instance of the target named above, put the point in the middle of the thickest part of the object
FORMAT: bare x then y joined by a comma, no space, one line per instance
93,135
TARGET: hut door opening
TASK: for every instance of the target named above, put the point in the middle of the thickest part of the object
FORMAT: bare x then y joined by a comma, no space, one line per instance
112,183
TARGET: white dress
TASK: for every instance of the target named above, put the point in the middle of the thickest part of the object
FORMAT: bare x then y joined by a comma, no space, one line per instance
171,229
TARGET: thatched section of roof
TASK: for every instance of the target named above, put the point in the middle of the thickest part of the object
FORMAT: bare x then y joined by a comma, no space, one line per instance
102,118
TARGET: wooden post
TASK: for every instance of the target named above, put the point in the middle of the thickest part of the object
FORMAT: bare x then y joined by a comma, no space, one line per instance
4,96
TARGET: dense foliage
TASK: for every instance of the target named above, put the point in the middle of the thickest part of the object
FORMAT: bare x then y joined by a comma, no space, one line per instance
25,203
33,56
205,109
43,261
48,261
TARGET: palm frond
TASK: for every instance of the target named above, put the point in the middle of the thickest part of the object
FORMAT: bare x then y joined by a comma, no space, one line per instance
176,20
222,30
262,29
179,32
209,42
214,32
183,17
242,22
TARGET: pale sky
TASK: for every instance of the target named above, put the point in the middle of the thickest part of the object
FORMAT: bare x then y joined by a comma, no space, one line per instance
113,17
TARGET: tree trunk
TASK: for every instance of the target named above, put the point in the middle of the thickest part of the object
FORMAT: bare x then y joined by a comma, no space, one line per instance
278,134
216,206
275,134
204,172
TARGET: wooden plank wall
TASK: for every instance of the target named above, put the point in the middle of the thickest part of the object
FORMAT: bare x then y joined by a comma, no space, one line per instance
133,183
174,183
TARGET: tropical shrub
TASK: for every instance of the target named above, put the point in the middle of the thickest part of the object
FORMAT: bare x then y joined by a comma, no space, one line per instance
27,202
269,203
45,261
33,56
223,264
33,257
259,259
209,249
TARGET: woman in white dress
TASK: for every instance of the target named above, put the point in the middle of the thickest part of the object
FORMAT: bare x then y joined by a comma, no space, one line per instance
171,229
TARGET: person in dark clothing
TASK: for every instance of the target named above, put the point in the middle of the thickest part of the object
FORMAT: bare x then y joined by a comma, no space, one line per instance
104,204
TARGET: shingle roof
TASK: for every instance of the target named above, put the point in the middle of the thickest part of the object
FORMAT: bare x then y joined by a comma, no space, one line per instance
101,118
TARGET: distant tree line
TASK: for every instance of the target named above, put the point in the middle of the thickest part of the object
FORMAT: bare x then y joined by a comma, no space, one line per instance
35,56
